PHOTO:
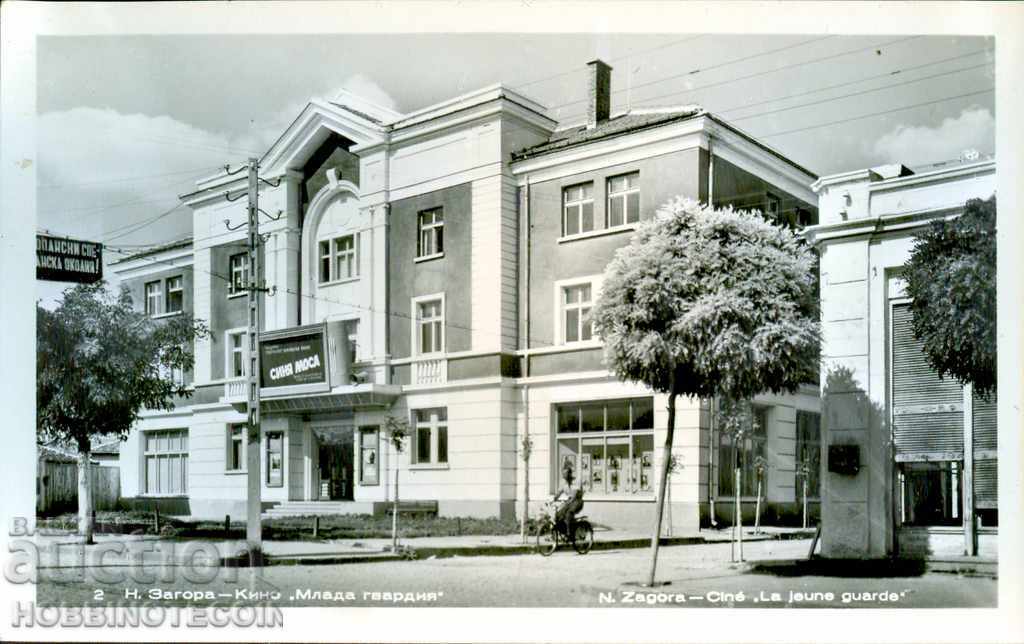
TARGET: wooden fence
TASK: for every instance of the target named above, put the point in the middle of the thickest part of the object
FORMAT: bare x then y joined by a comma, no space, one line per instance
57,487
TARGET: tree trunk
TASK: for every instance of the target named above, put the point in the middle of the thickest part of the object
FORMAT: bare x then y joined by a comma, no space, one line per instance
85,526
805,501
526,495
739,514
666,457
394,511
757,509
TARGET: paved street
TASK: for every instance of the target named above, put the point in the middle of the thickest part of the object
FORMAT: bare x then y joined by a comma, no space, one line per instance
700,576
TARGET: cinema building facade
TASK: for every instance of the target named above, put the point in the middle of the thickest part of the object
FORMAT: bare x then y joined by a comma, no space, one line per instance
918,473
440,266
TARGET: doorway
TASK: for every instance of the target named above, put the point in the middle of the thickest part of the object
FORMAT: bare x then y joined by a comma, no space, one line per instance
335,467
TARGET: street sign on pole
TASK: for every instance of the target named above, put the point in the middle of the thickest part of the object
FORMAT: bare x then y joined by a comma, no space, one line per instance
62,259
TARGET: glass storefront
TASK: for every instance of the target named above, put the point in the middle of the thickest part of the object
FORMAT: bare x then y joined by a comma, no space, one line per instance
606,447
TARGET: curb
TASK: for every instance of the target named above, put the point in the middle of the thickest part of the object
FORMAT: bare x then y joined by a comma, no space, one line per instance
447,552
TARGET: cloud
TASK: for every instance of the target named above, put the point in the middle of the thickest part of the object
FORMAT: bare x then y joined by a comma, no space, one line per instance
920,145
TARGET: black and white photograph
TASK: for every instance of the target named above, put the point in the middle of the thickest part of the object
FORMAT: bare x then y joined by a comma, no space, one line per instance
340,308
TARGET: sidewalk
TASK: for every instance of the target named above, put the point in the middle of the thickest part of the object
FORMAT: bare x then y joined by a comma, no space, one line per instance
65,551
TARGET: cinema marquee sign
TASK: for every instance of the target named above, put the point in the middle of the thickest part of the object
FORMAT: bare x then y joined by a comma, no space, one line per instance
60,259
294,360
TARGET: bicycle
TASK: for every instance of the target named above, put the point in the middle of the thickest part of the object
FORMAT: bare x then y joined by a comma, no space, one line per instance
548,533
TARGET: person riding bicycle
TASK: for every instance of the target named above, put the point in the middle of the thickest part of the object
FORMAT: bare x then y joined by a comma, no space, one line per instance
571,500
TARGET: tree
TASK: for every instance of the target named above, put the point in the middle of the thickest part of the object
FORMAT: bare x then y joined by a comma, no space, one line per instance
951,276
709,303
397,430
99,362
526,448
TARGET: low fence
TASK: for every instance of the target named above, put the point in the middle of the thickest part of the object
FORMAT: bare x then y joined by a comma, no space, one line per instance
57,487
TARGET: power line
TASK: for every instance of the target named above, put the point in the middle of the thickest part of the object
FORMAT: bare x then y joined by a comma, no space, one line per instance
864,116
853,82
737,79
139,226
123,179
860,93
700,70
611,60
321,298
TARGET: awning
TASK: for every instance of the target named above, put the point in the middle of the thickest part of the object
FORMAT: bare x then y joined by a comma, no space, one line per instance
339,399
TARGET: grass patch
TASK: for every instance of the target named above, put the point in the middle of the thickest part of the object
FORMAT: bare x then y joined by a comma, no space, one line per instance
361,526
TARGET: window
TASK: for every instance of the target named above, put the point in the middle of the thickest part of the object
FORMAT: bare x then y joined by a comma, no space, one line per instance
576,303
175,374
623,200
578,209
175,294
742,454
369,453
166,461
431,436
345,258
931,493
430,326
772,207
236,354
154,299
431,238
808,452
239,265
338,259
350,329
235,459
607,446
275,459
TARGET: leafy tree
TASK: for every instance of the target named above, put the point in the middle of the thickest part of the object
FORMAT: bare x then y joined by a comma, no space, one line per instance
951,276
397,430
709,303
99,362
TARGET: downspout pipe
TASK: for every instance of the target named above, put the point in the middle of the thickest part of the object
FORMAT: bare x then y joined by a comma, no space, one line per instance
711,415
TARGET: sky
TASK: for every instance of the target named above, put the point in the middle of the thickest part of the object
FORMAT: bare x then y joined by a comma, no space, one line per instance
127,123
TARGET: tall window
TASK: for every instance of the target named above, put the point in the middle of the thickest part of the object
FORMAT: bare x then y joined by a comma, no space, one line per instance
430,326
235,457
154,299
239,265
175,294
431,238
742,454
576,303
166,457
236,354
808,452
369,455
606,446
623,200
578,209
338,259
431,435
350,328
275,459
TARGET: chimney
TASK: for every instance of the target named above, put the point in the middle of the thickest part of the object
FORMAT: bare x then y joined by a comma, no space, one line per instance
599,97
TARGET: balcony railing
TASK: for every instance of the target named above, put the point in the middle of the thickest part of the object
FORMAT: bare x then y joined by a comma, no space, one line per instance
234,389
430,372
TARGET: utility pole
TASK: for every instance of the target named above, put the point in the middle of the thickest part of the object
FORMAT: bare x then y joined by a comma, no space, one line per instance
254,506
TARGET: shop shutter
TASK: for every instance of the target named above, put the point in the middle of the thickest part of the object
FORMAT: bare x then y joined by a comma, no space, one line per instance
927,410
986,489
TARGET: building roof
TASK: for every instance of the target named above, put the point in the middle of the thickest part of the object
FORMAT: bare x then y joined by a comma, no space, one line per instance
627,123
636,120
107,447
178,243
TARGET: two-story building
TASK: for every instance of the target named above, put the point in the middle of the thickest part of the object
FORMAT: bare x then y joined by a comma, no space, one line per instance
440,266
